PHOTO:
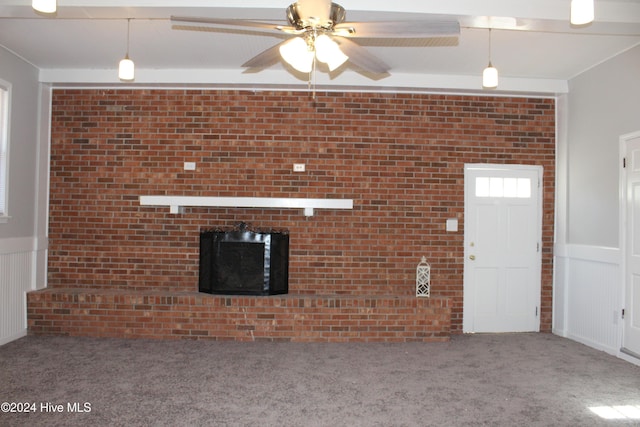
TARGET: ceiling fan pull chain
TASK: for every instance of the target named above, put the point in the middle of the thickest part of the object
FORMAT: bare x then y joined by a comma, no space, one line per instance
312,75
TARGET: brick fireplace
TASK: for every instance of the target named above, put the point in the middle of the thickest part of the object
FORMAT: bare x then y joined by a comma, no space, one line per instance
244,261
118,268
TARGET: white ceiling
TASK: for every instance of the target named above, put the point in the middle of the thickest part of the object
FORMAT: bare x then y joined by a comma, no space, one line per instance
533,45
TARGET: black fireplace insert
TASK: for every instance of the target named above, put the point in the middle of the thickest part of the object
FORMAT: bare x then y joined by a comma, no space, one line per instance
244,261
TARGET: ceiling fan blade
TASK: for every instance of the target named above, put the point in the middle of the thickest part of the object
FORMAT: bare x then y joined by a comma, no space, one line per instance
361,57
226,23
398,29
265,58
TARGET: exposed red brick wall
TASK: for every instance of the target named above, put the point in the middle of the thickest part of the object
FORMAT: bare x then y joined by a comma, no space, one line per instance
400,157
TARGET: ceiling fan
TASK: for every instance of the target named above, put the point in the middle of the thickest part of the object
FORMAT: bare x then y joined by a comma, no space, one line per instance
321,33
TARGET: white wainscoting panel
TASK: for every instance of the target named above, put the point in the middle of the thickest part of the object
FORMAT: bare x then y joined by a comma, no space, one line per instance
588,293
16,267
560,274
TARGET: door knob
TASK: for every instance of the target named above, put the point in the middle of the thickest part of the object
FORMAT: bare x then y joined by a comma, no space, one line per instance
472,257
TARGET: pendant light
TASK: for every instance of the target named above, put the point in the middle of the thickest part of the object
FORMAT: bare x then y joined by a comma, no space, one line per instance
44,6
582,12
490,74
126,69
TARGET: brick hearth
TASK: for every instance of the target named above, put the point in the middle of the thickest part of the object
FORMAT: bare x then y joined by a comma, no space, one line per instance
113,313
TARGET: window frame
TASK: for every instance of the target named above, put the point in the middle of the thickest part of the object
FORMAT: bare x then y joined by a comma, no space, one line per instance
5,124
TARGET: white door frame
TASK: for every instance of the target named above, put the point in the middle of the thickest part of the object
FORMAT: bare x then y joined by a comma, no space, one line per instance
501,167
622,225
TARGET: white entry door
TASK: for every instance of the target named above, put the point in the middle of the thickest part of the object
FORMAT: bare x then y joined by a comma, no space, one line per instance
503,227
631,237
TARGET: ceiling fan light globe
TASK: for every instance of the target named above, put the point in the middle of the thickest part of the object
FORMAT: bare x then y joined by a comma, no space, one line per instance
329,52
582,12
126,70
44,6
490,77
296,53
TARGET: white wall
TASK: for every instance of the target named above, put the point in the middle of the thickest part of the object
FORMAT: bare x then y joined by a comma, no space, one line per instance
23,239
603,103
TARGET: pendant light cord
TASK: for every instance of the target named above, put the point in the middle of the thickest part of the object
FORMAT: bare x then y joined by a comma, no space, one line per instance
128,32
489,46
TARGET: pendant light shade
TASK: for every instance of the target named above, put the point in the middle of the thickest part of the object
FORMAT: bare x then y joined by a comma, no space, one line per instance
44,6
126,68
490,74
582,12
490,77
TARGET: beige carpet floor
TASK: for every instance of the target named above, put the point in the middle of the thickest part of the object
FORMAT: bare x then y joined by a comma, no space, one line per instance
474,380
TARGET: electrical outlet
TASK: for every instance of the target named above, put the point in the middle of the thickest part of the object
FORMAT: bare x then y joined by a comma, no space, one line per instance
298,167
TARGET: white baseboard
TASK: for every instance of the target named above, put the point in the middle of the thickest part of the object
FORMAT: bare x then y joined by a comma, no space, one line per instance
626,357
8,339
593,344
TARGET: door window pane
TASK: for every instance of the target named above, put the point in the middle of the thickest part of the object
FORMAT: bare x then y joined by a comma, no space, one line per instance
497,186
482,186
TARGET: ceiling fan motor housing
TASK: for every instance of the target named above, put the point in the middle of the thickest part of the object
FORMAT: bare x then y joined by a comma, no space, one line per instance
301,18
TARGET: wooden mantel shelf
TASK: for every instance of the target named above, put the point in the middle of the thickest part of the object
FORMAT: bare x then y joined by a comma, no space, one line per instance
178,203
